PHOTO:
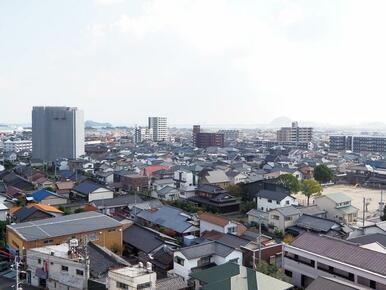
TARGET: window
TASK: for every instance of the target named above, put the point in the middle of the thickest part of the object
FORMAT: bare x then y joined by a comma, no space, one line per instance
288,218
64,268
39,261
122,285
269,200
275,217
179,260
111,230
373,284
79,272
236,260
288,273
231,230
48,241
277,202
287,202
144,285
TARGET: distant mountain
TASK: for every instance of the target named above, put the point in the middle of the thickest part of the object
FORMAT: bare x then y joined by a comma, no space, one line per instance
90,123
280,122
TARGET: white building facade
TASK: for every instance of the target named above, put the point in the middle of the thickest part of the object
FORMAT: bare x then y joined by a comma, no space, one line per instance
159,126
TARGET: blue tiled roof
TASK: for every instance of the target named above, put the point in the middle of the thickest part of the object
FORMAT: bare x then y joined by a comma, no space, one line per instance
87,187
41,194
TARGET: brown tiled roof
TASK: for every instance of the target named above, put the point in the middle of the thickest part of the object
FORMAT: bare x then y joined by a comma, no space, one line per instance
342,251
214,219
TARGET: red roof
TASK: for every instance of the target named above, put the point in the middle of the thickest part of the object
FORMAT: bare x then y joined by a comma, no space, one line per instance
149,170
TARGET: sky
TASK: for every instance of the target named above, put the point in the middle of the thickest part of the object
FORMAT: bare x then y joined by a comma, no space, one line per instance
195,61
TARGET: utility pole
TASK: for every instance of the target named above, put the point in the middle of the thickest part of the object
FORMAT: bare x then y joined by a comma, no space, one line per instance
86,260
17,264
364,209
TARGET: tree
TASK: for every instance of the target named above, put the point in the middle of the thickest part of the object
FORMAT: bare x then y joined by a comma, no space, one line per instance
235,189
271,270
323,174
310,187
289,182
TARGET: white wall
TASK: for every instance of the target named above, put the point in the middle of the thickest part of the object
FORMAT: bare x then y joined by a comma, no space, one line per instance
100,193
265,206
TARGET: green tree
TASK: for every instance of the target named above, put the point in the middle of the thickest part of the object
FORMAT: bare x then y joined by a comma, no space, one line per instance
323,174
235,189
309,187
289,182
271,270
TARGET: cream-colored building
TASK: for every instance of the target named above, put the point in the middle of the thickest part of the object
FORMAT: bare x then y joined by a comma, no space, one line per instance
132,278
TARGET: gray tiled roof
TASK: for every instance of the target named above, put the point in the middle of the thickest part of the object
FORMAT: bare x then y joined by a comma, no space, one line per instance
288,210
168,217
270,194
342,251
206,249
368,239
316,223
64,225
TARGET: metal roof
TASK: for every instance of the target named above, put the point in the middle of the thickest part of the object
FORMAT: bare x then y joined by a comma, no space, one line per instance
342,251
64,225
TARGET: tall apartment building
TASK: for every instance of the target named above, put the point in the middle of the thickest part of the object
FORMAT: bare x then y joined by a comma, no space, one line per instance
358,143
160,128
57,132
206,139
142,134
230,135
295,133
17,145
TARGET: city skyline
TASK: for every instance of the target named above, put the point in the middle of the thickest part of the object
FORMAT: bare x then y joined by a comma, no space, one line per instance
246,62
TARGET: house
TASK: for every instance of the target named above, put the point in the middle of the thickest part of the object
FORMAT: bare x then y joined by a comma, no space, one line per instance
91,191
268,199
97,227
64,187
311,256
213,197
4,210
236,177
167,193
256,216
283,217
232,276
118,204
214,177
134,182
173,220
338,207
201,256
158,184
105,177
33,212
132,278
318,225
46,197
210,222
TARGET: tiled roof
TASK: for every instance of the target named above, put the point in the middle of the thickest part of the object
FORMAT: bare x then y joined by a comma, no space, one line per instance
342,251
63,225
206,249
87,187
214,219
273,195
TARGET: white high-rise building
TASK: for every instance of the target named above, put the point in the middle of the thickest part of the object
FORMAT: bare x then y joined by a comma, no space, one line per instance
142,134
160,128
57,132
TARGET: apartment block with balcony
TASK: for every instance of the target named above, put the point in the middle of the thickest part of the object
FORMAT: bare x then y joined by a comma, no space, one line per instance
311,256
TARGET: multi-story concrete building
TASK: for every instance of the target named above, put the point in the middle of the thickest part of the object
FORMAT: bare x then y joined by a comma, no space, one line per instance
295,134
206,139
17,145
159,126
132,278
311,256
358,143
57,132
230,135
142,134
57,267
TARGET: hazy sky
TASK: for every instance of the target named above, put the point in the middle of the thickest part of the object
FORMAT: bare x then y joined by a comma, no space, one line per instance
196,61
